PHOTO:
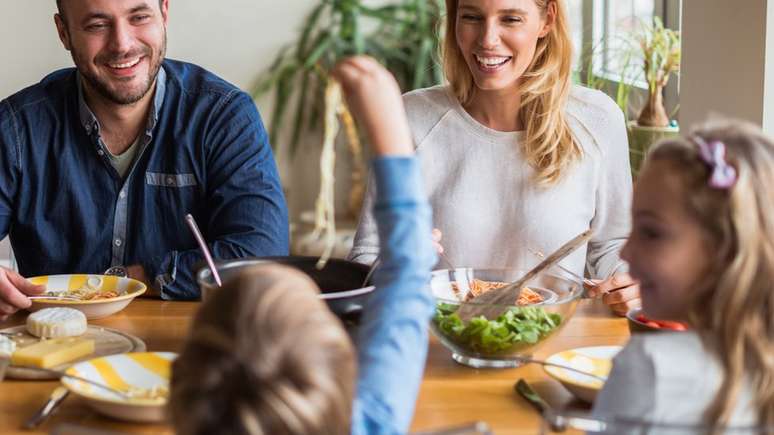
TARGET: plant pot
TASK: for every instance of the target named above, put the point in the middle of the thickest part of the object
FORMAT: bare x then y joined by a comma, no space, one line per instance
641,138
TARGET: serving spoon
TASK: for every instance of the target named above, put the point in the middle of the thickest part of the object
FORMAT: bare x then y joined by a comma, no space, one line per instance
493,303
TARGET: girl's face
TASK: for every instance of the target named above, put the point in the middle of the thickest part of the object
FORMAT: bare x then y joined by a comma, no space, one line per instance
498,39
667,250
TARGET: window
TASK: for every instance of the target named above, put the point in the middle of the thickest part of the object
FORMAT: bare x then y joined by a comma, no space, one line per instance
602,27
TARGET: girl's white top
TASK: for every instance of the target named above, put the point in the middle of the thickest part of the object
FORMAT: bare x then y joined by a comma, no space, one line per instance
667,377
487,203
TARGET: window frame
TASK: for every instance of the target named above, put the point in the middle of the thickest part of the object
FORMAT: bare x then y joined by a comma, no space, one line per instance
595,15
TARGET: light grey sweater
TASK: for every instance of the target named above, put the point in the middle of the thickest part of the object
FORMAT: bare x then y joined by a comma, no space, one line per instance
667,377
484,197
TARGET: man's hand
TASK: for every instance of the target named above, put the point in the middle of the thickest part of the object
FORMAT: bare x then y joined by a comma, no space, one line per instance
14,290
373,95
138,272
620,292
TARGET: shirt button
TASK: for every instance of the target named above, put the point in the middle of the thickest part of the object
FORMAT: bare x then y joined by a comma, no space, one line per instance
117,242
100,152
122,194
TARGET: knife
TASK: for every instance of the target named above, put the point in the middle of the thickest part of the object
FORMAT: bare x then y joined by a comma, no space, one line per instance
57,397
558,423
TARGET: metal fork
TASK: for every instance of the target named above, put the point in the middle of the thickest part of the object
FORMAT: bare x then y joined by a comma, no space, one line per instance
586,281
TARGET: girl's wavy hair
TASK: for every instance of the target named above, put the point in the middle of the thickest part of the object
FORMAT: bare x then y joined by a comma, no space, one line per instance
264,356
549,145
733,306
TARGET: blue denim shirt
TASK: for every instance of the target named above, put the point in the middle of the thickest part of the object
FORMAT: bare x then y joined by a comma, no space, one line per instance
204,151
393,334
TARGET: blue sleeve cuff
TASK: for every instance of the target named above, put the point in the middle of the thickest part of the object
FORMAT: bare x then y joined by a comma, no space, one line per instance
162,271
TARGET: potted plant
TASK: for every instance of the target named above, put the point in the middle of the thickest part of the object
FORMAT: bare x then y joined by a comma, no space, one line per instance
660,52
651,54
401,34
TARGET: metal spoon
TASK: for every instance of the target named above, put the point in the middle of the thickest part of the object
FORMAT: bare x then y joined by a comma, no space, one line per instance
119,393
63,298
203,246
371,270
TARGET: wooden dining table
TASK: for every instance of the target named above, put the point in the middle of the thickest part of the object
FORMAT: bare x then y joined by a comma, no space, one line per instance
450,394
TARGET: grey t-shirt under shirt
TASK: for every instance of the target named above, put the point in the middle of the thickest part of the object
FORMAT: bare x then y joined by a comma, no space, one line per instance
123,162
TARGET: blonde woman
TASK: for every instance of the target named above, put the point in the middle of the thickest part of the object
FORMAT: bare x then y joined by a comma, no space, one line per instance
514,158
702,244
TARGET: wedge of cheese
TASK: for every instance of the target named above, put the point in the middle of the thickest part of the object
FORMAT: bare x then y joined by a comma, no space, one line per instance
51,353
56,322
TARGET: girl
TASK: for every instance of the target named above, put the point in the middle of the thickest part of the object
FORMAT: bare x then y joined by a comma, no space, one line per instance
515,159
265,356
702,246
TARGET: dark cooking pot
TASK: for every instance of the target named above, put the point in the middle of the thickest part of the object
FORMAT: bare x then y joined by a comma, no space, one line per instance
340,281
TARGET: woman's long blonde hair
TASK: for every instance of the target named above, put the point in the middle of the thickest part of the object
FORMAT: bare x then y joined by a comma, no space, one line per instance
264,356
733,307
549,145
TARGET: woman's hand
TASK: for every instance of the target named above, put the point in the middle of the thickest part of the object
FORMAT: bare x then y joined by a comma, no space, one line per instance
375,100
437,236
14,290
620,292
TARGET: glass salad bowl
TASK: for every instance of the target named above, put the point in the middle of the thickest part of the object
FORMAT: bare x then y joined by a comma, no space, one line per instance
518,328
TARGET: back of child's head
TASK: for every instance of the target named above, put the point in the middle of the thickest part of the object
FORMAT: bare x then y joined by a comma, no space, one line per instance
264,356
733,306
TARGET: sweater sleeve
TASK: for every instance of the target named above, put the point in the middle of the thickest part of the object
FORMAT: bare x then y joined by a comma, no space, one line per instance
611,223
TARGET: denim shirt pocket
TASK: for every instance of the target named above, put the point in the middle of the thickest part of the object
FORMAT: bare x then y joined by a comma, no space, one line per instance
170,180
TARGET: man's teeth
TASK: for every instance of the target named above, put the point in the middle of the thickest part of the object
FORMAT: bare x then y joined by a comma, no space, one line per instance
125,65
491,61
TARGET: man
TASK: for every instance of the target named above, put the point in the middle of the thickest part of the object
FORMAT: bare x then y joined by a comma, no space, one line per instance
100,163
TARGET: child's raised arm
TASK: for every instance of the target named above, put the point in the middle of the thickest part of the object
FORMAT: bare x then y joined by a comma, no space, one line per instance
393,334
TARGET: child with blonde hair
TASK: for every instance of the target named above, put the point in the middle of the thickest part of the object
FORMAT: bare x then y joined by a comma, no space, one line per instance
265,356
702,247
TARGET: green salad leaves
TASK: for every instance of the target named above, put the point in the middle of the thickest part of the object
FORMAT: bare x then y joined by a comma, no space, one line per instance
519,326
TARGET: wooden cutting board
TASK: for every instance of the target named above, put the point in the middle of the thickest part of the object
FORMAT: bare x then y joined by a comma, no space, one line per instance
106,342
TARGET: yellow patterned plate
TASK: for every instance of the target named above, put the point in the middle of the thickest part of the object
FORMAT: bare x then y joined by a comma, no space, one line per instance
597,360
144,376
125,289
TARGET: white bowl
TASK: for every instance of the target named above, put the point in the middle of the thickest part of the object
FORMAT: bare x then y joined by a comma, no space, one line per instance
145,370
597,360
127,288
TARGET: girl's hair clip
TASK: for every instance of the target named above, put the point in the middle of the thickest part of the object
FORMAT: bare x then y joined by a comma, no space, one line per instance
723,175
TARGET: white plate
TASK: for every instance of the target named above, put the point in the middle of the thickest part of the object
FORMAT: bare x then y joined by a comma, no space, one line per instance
127,288
124,372
597,360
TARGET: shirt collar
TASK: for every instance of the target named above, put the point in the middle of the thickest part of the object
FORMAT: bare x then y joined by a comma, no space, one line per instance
90,122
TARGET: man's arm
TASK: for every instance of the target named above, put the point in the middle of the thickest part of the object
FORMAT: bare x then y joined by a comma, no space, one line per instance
244,211
13,287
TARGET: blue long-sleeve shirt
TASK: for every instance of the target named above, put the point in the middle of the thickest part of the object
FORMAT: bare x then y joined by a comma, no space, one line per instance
393,335
204,151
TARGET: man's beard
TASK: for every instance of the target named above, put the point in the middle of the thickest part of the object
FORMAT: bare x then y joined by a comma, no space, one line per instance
123,98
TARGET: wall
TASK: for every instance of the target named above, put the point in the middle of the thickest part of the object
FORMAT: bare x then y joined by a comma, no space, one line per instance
724,68
768,98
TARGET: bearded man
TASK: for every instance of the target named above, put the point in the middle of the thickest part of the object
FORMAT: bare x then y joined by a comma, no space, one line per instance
99,164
